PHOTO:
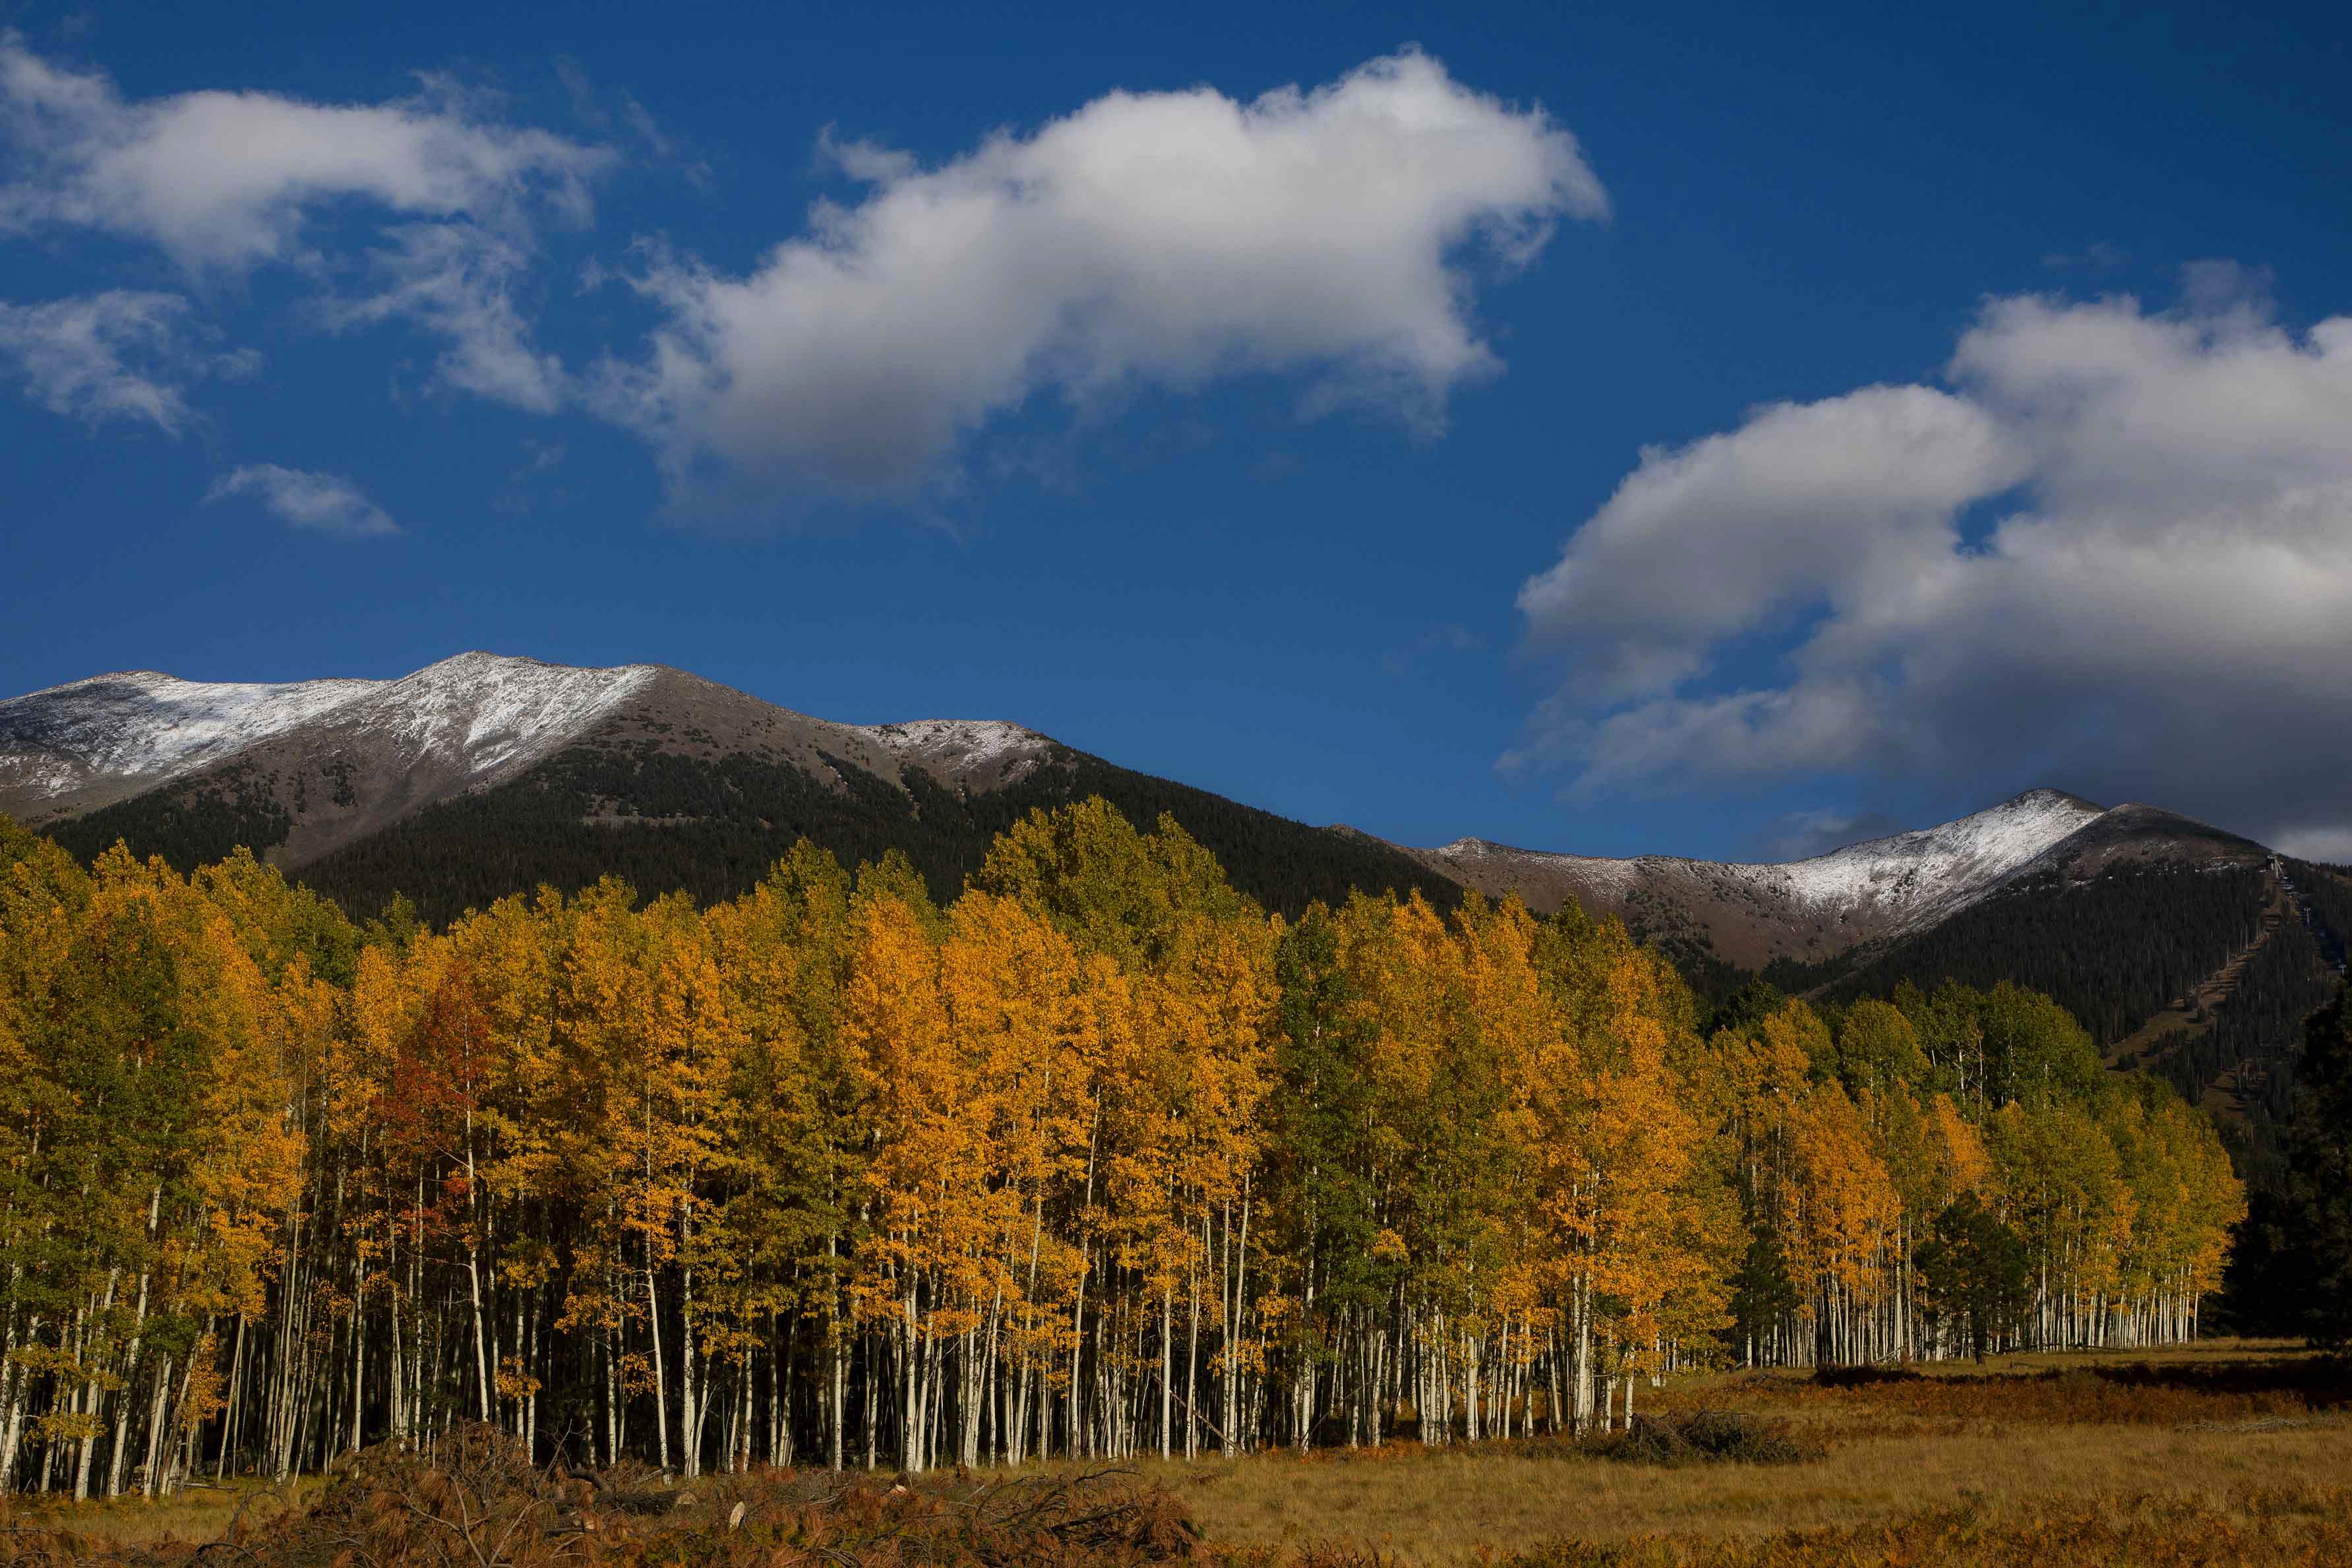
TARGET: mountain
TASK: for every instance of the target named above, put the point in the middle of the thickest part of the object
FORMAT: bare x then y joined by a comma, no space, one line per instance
483,775
75,747
2184,949
1806,911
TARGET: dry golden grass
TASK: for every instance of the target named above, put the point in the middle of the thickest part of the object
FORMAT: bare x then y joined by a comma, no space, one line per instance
2266,1528
2020,1436
1447,1509
2224,1453
199,1513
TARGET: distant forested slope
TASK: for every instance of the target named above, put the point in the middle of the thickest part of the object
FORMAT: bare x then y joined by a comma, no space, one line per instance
664,821
2112,951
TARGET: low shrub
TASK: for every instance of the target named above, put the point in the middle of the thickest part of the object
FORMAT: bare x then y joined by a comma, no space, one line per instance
2129,1394
474,1501
1705,1437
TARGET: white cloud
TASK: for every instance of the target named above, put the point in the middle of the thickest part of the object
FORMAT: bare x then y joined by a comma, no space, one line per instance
2115,553
320,503
1164,239
120,354
227,181
460,282
1167,238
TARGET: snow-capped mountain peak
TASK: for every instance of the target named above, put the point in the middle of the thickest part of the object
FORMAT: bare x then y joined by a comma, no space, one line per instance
1929,867
140,726
1753,911
484,711
74,746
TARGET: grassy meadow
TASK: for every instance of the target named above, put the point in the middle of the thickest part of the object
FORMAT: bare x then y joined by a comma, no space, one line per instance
2222,1452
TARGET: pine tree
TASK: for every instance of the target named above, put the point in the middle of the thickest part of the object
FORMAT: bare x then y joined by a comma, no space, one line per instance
2316,1217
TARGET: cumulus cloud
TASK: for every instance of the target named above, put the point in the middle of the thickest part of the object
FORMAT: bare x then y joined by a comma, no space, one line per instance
223,182
2114,550
228,179
1164,237
320,503
120,354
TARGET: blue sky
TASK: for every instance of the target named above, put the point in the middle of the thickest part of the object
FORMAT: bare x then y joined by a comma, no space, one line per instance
1686,429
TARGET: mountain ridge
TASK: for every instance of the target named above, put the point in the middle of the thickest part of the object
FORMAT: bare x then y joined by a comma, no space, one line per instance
307,769
424,784
1750,914
486,774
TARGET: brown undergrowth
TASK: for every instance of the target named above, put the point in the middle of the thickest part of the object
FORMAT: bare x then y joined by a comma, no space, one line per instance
1898,1462
1860,1400
2220,1459
476,1503
2273,1528
1699,1436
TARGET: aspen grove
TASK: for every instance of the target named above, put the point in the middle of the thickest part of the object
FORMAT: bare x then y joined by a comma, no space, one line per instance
1097,1160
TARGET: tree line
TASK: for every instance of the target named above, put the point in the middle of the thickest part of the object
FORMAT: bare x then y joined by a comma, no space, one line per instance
653,813
1099,1159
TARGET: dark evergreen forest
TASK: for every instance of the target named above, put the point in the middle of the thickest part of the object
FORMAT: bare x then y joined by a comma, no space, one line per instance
188,827
2112,951
663,821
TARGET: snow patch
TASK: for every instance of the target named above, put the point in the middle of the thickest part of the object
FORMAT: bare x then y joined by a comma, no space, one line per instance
145,725
487,711
477,712
1910,878
961,742
1934,865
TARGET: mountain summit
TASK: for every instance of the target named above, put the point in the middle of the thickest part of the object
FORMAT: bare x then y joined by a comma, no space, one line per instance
1807,910
485,774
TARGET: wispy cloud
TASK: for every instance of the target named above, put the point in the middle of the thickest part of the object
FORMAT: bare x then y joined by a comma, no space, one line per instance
120,354
318,503
1801,834
228,179
226,182
2099,254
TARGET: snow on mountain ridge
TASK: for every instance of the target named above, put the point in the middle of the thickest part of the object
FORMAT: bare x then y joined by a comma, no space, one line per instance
1909,876
149,725
486,711
470,717
477,712
973,740
1933,869
990,752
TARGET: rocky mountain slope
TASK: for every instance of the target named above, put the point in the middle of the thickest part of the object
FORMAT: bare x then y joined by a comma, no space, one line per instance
483,775
73,748
1749,915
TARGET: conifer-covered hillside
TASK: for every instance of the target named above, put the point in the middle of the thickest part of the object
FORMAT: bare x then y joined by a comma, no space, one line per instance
711,828
2200,972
